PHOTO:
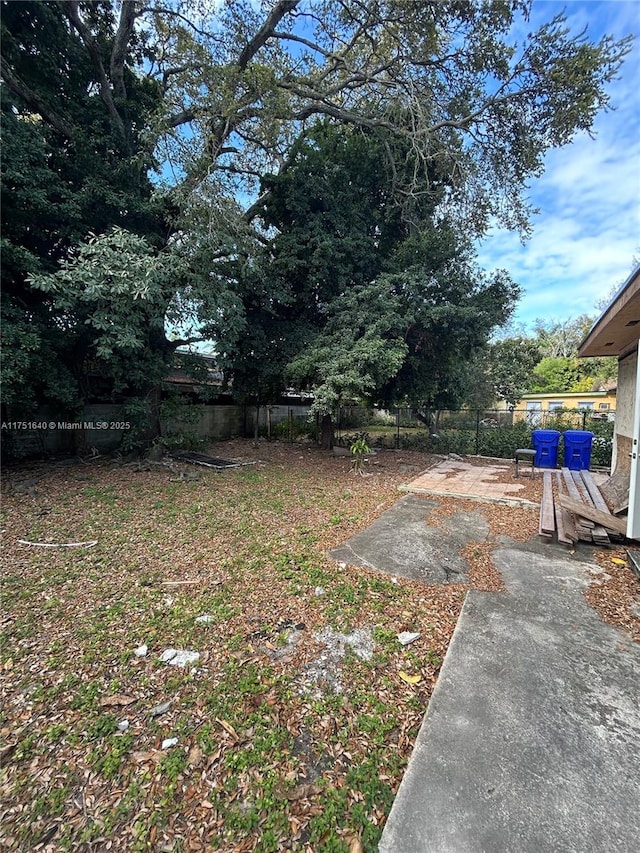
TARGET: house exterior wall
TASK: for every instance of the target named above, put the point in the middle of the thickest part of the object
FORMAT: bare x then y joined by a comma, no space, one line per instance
603,402
621,459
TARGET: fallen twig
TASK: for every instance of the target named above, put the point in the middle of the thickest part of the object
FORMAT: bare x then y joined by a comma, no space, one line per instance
162,464
59,544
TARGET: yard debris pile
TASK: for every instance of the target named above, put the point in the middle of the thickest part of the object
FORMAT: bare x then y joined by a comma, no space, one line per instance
207,461
573,509
250,746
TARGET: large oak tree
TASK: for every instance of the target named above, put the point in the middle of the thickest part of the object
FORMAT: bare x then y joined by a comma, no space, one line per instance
162,118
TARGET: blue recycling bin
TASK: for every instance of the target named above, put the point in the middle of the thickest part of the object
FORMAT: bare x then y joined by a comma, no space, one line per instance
577,449
545,444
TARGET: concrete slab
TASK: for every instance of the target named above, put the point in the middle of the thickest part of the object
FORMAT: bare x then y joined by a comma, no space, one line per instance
460,479
531,742
400,542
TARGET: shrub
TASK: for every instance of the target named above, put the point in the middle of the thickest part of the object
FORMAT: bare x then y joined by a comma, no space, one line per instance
502,442
180,418
359,449
296,428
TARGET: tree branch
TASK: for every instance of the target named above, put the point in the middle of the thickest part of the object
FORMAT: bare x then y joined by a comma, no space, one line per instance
179,69
161,10
128,15
34,101
184,117
282,8
182,342
300,40
252,211
226,124
70,8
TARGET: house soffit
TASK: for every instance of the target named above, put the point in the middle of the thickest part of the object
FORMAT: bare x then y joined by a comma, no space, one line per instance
618,328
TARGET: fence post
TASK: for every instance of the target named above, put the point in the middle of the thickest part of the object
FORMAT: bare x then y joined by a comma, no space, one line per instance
477,432
398,428
584,419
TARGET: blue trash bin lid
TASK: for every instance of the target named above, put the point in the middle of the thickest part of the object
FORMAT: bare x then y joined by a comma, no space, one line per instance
545,434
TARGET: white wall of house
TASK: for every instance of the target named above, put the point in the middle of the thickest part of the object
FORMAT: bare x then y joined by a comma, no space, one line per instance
625,412
633,524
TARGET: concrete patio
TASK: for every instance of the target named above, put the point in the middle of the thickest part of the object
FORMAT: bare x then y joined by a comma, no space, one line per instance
457,478
531,740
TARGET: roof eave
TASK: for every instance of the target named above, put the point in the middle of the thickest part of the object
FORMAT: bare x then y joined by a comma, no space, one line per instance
601,339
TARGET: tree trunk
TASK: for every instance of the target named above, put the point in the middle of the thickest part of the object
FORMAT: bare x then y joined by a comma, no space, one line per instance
326,432
154,426
426,418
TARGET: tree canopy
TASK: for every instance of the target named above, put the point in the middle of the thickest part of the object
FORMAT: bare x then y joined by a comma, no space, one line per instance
184,126
363,301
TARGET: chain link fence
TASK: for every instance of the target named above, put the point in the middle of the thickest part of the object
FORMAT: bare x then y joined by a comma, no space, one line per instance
473,432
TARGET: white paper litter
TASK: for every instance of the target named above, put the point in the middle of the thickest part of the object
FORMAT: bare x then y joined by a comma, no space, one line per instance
179,657
407,637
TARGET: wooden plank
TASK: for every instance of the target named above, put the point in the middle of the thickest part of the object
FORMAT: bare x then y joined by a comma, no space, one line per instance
576,476
574,492
594,492
567,519
547,536
547,515
596,495
599,533
621,507
604,518
569,482
582,492
585,497
563,537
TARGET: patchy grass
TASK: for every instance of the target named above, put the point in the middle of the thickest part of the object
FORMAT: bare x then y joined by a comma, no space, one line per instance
275,750
268,756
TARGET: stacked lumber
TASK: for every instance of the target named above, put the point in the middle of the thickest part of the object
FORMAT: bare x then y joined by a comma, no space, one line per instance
566,522
576,511
547,525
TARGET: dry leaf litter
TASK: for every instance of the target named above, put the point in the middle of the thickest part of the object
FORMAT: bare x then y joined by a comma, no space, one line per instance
290,717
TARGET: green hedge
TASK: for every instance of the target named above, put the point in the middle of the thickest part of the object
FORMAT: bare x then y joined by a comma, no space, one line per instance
501,442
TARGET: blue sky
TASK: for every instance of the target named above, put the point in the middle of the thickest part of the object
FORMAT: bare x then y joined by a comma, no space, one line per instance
587,232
